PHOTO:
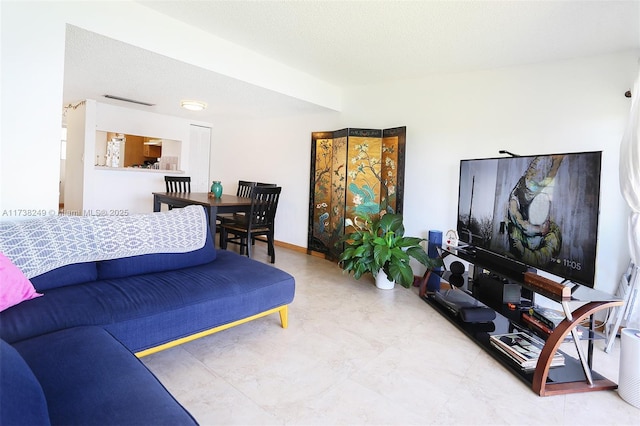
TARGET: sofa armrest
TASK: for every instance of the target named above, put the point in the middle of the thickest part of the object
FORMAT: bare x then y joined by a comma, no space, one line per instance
22,401
88,377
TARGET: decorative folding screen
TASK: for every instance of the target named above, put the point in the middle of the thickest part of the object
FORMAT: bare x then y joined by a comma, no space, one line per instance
353,172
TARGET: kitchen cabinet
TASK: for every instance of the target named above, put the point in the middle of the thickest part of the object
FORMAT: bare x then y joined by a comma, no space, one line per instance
154,151
132,150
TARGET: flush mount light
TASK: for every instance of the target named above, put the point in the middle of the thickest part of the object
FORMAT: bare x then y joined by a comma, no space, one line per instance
193,105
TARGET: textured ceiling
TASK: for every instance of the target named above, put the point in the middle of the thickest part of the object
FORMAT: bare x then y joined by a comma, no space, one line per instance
345,43
354,42
96,65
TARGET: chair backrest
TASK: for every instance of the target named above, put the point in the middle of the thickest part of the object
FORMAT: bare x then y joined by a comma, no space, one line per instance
265,184
264,202
244,188
178,183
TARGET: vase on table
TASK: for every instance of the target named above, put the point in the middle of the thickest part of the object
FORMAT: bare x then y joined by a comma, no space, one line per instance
216,189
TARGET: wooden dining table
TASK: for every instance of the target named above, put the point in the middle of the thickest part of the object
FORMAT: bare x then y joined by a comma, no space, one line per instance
227,203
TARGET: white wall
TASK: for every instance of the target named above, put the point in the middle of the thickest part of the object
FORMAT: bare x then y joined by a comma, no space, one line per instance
274,151
568,106
32,58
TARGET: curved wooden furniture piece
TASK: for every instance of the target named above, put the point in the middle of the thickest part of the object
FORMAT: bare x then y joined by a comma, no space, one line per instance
423,283
577,375
540,385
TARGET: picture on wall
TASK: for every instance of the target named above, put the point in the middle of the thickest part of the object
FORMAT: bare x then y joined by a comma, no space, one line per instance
354,172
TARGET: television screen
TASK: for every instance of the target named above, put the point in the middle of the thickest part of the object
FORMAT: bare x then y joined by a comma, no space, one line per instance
541,211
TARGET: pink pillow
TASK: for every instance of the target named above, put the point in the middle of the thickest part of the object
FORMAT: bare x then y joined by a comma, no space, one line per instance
14,286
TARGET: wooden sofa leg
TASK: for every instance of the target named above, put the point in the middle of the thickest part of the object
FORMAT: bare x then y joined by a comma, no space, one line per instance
284,316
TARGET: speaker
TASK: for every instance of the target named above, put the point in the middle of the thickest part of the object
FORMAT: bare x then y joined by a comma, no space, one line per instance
493,288
457,278
435,241
456,268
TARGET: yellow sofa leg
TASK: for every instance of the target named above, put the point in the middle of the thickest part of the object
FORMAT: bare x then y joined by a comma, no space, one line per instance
283,310
284,316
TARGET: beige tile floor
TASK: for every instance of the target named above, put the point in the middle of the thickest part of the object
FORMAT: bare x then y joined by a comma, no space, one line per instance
356,355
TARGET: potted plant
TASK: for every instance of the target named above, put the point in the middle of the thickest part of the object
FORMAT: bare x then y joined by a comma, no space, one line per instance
378,245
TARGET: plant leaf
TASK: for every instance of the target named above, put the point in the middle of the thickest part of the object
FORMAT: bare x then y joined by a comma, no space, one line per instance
418,254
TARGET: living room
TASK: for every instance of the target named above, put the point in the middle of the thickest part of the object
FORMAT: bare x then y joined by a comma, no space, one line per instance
571,103
566,105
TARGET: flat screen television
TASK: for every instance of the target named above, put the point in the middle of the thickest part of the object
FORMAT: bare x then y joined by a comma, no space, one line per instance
538,211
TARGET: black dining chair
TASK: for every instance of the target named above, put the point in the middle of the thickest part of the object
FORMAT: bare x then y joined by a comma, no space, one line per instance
178,183
259,221
261,184
244,190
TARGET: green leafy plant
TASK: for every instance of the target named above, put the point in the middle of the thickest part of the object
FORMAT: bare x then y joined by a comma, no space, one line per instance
379,243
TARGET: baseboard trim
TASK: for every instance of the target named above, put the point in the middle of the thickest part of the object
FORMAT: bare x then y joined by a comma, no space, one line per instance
283,244
290,246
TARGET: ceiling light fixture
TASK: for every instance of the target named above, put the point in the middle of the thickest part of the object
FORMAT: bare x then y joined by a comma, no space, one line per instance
193,105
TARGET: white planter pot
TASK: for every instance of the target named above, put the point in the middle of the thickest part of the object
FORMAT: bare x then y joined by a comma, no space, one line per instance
382,282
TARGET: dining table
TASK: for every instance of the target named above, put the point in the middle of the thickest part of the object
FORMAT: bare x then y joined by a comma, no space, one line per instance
227,203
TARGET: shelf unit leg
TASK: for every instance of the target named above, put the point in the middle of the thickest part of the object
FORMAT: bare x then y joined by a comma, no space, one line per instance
576,341
541,373
592,334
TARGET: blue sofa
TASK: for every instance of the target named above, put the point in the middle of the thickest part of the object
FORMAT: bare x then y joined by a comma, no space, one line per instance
97,316
81,376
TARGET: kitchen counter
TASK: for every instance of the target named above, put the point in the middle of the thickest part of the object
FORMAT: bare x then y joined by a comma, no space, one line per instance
139,169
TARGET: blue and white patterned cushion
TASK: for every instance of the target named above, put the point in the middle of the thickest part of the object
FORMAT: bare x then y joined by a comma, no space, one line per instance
41,245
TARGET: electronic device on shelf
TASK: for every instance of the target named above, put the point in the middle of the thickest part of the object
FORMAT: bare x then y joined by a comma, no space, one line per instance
532,212
465,306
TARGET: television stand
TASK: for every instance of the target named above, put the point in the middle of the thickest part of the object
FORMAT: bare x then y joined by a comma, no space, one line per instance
577,374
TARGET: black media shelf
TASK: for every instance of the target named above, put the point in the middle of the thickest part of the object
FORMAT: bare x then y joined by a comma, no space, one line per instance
480,333
576,375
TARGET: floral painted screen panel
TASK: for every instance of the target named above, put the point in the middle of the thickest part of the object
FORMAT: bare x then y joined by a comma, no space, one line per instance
364,157
338,179
354,172
327,191
393,153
